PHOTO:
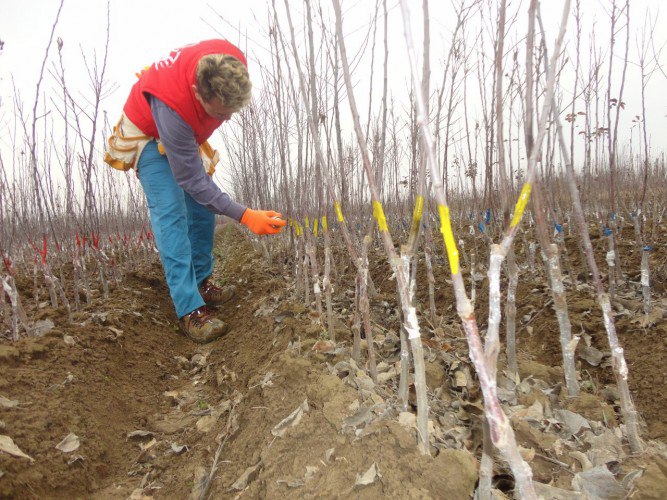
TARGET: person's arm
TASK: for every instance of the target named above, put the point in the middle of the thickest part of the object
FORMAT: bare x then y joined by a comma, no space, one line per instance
180,145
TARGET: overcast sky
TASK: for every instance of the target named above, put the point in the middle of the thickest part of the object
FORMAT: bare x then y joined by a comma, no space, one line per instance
143,31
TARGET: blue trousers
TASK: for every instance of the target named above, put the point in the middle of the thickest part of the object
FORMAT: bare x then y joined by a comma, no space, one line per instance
182,227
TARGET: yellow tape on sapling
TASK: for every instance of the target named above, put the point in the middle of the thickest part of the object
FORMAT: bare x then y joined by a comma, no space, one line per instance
315,227
419,208
521,204
339,211
448,235
417,214
378,213
325,224
306,222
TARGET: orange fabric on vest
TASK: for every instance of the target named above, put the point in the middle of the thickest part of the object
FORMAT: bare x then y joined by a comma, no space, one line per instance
171,80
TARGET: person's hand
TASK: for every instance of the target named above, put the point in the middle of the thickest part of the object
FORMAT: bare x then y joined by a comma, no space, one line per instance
263,221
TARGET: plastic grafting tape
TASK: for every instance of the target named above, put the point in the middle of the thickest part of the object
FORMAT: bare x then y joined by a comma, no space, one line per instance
411,324
419,209
306,222
647,248
521,204
417,214
378,213
315,227
325,224
610,257
607,231
448,235
339,211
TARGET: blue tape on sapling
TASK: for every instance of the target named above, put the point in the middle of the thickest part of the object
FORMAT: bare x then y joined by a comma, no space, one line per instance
607,231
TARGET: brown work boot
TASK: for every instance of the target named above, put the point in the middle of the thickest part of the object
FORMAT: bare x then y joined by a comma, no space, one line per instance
202,326
214,295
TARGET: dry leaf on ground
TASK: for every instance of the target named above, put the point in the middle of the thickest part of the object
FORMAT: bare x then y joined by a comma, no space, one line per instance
206,424
646,320
139,434
360,417
8,403
598,482
573,422
291,420
369,476
69,443
325,346
149,445
591,355
178,449
553,493
247,477
7,445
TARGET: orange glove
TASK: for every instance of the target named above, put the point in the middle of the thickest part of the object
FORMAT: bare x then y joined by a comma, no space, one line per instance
263,221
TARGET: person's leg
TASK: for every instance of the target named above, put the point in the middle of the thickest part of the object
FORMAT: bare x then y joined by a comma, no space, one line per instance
201,227
201,223
169,219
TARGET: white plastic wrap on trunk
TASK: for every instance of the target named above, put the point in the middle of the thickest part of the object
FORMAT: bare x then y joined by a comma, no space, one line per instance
411,325
611,255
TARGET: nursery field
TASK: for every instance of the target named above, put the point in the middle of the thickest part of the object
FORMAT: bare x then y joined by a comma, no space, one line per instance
274,410
449,261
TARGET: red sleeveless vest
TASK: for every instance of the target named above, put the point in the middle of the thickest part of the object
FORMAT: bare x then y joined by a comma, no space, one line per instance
171,80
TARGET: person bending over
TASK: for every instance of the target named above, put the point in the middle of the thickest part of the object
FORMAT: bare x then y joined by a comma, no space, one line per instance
174,107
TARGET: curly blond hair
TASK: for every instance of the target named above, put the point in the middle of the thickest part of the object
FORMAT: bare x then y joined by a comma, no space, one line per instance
225,77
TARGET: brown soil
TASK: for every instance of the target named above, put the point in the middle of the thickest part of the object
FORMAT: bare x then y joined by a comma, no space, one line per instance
130,369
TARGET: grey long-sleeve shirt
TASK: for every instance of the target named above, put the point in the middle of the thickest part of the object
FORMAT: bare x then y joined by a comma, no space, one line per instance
182,150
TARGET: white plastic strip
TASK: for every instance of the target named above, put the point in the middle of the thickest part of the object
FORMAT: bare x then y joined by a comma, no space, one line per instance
411,325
